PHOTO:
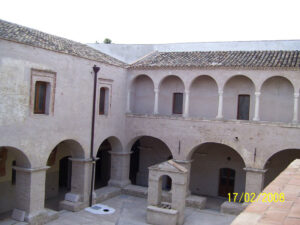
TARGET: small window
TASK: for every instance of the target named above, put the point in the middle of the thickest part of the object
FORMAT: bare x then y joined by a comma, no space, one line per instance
104,101
243,107
177,103
41,97
13,174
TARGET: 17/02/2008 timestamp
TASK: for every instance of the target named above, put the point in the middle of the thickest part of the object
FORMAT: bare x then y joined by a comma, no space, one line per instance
251,197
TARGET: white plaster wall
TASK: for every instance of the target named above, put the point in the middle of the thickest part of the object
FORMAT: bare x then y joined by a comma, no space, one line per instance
205,169
277,100
203,98
169,85
142,95
236,86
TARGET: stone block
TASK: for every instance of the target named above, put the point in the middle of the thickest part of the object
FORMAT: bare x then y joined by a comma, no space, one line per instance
156,215
196,201
232,208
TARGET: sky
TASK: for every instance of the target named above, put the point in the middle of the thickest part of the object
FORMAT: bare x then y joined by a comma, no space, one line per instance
158,21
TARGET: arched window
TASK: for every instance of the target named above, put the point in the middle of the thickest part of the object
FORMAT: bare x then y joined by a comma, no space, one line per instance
104,101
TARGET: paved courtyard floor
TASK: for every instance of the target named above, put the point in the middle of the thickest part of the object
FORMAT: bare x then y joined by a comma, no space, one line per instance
132,211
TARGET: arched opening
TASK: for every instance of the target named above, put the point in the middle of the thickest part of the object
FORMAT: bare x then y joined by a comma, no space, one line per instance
59,175
276,101
171,94
278,162
165,182
102,171
147,151
9,157
239,98
204,97
216,170
142,95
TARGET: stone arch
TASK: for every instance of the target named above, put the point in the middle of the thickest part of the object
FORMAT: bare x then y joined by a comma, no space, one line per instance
142,94
277,162
21,158
214,140
104,162
239,88
203,97
9,185
276,100
167,87
207,160
77,150
146,151
130,144
59,175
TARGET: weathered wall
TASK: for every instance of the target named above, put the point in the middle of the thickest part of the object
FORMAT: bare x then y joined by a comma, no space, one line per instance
37,135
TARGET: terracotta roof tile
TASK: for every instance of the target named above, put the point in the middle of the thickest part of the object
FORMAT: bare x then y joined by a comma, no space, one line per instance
13,32
246,59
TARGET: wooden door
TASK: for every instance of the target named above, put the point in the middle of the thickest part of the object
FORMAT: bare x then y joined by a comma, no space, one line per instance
226,181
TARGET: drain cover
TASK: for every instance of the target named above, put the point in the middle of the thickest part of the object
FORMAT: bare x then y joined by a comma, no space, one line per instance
100,209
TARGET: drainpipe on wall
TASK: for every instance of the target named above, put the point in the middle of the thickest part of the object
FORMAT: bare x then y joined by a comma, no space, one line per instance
96,70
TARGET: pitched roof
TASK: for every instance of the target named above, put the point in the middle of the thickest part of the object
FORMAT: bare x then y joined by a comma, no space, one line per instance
244,59
14,32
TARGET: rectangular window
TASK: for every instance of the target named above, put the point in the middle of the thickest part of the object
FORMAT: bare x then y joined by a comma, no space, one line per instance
243,107
177,103
104,101
40,97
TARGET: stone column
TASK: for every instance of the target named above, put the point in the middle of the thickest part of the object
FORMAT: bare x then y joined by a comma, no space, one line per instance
179,199
79,196
220,106
128,110
256,111
120,166
186,164
186,103
254,180
295,116
156,92
30,193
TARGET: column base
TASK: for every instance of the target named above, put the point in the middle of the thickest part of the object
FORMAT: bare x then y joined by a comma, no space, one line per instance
73,206
41,217
119,183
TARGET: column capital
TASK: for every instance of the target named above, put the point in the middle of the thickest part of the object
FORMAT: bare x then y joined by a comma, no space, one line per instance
187,92
255,170
120,153
296,95
220,92
257,93
156,90
183,161
82,160
30,170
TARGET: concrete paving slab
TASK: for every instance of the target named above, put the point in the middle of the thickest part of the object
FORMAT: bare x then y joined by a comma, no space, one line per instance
132,211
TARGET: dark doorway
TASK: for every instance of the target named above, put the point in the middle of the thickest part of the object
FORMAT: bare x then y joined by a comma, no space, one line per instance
103,165
226,183
243,107
65,173
177,103
134,162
